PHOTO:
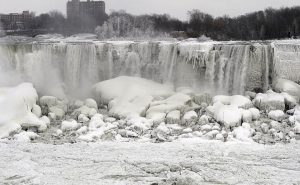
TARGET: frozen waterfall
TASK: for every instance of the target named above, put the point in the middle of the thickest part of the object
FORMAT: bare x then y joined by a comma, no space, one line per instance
62,67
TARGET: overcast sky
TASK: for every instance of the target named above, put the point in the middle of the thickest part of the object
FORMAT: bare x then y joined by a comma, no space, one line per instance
176,8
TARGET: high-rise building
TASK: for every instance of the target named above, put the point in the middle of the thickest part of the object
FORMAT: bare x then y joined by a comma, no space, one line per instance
86,10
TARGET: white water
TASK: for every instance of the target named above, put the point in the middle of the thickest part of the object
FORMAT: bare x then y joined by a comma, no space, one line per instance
62,67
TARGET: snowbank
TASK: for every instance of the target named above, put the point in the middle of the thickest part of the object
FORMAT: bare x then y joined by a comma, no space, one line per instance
16,104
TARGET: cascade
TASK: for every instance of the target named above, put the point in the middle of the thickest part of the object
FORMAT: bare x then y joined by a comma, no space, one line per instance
72,68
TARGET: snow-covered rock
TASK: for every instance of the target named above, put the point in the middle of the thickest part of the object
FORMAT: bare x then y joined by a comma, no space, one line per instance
175,102
288,86
48,101
255,113
202,98
87,111
25,136
78,104
243,133
206,128
203,120
277,115
129,95
59,113
139,124
83,118
104,132
269,101
236,100
220,137
82,130
188,116
36,110
46,120
246,116
69,125
161,132
229,115
91,103
290,101
96,122
173,117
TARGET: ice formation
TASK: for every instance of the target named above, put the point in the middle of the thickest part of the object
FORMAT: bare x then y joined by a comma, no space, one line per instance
16,106
149,91
71,66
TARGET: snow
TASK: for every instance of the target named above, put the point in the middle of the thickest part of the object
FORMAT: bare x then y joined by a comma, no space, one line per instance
129,95
190,161
16,104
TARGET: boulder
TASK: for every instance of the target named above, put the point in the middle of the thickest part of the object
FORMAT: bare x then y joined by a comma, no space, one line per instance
277,115
269,101
288,86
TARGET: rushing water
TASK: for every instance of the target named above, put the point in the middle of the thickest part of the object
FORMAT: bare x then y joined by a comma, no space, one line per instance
72,67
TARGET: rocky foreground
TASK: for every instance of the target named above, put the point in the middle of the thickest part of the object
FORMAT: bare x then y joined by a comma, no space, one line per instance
130,109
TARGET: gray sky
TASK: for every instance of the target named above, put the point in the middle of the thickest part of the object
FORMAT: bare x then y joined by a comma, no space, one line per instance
176,8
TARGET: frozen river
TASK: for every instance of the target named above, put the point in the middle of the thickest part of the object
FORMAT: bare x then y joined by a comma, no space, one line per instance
180,162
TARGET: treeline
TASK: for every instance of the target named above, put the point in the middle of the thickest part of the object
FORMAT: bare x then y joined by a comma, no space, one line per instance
260,25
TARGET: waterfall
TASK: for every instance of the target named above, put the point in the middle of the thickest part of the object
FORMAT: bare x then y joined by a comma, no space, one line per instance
214,67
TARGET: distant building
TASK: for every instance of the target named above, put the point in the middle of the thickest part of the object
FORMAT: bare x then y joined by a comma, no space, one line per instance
86,11
16,21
